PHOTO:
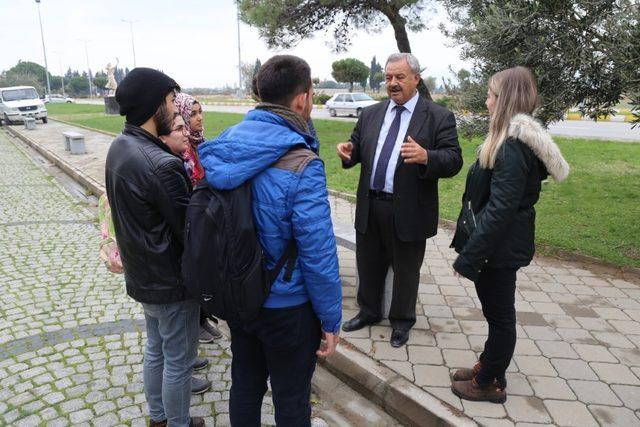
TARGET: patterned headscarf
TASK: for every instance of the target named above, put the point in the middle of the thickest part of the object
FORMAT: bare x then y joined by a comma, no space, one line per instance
184,104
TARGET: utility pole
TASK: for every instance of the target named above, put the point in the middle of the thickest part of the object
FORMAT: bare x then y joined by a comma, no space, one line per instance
44,51
133,47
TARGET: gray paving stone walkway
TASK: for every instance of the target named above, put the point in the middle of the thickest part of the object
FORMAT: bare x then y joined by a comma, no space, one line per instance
577,360
70,339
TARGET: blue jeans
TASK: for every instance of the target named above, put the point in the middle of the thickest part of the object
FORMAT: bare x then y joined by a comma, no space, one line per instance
172,345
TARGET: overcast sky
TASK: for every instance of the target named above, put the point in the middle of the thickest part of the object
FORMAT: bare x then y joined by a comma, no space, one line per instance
196,43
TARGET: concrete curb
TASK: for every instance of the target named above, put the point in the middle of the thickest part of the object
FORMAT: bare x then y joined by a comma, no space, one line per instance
85,127
575,115
407,402
85,180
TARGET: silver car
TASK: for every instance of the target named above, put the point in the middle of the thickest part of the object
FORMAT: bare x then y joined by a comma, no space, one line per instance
349,103
56,98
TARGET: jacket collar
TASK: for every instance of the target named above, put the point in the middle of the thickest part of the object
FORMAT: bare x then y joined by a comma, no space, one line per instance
138,132
535,136
266,116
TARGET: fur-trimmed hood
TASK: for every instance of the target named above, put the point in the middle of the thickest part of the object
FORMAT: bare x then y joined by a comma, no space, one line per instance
531,132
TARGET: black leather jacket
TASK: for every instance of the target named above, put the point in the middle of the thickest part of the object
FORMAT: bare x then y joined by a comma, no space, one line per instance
148,190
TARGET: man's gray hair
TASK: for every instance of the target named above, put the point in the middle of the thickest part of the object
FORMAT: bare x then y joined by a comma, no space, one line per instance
411,60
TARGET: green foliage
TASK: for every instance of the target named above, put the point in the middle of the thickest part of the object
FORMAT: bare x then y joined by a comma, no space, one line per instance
321,98
349,70
447,102
78,86
430,82
375,75
100,81
283,23
15,79
583,52
26,73
328,84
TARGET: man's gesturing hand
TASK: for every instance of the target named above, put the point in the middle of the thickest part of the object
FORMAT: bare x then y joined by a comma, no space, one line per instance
344,150
328,344
412,152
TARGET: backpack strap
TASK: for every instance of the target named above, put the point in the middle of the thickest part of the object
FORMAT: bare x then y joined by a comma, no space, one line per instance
296,160
288,257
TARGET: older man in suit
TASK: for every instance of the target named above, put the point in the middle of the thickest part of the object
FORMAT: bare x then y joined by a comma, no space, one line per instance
404,146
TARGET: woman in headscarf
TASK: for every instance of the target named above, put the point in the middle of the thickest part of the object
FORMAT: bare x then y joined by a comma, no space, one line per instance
191,111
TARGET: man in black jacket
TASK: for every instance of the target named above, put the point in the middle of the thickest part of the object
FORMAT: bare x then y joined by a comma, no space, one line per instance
404,146
148,190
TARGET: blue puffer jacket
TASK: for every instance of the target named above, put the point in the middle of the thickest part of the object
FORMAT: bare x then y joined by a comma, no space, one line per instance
286,205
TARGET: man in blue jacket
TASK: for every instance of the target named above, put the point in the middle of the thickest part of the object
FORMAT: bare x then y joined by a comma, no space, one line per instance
274,148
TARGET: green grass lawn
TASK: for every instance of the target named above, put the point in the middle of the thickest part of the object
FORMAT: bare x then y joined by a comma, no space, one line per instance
596,211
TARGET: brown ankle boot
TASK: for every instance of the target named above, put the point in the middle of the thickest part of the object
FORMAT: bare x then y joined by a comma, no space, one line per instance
157,423
466,374
470,390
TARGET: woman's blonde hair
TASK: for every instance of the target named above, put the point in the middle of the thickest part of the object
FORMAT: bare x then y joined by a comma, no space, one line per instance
516,92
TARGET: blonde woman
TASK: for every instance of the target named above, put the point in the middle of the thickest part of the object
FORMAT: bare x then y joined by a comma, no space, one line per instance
495,231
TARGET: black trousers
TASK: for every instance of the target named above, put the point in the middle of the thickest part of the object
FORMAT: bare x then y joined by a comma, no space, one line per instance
281,345
496,288
376,250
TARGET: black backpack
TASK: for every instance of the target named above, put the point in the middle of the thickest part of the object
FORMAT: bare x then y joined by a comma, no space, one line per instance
223,263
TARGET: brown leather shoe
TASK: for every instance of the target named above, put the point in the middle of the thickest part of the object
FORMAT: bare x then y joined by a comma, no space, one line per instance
466,374
157,423
196,422
470,390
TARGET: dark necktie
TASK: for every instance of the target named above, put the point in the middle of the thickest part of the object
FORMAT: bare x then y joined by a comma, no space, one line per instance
387,149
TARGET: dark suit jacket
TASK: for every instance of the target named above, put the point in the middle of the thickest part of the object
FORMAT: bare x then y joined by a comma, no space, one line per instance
415,187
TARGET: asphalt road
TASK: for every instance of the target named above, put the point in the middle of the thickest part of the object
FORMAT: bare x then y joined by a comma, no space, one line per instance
568,128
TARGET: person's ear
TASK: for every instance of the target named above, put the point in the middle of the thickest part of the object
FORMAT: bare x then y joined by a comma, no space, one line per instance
299,102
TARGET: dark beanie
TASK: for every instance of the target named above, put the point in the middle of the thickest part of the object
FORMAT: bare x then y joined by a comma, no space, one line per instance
141,93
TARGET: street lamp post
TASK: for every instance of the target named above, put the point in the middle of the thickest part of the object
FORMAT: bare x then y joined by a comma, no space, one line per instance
86,52
239,56
44,51
61,69
62,76
133,47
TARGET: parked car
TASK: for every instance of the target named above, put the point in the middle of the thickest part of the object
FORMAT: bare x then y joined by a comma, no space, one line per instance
56,98
20,102
349,103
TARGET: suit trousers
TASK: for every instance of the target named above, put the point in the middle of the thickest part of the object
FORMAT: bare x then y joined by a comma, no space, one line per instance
376,250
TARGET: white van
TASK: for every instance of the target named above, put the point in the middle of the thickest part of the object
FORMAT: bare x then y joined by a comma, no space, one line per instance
19,102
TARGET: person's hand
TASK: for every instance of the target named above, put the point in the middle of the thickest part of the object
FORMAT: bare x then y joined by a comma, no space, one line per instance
328,344
344,150
412,152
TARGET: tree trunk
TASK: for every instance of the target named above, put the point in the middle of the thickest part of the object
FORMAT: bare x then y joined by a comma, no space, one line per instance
402,40
350,86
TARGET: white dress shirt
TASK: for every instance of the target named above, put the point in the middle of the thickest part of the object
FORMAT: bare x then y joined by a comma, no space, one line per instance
405,118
